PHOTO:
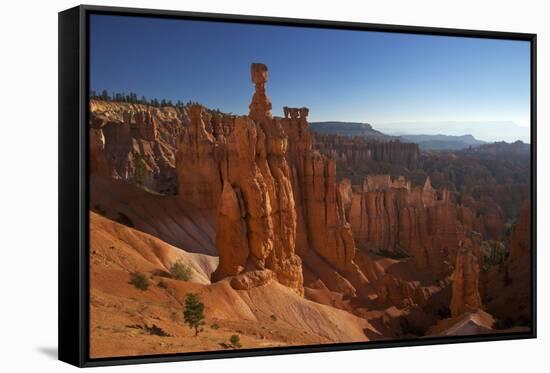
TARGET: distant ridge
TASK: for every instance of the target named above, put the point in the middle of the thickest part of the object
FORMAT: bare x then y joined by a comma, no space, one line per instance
425,142
489,131
503,149
348,129
442,142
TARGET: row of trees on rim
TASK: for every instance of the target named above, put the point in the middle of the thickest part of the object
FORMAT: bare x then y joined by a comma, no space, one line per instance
133,98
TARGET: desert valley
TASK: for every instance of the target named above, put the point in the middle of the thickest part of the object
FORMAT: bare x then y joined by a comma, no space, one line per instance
288,235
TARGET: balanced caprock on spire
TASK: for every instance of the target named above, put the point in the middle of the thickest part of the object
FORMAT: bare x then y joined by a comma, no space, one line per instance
260,107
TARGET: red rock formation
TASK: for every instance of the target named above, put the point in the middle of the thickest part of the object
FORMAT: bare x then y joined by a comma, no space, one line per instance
465,288
324,237
267,195
98,161
497,183
198,158
394,291
147,125
489,218
356,150
252,279
231,233
260,107
508,286
136,143
144,122
345,191
374,213
253,166
389,216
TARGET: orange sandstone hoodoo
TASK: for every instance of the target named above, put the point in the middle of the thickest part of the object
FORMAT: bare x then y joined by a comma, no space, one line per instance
276,196
243,173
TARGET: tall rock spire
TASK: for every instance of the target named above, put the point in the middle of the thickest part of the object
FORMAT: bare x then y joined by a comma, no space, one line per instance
465,291
260,107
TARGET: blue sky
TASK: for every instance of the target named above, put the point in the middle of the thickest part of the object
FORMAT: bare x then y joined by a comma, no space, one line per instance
340,75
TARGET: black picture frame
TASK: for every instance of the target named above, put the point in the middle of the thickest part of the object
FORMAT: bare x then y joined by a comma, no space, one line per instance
74,195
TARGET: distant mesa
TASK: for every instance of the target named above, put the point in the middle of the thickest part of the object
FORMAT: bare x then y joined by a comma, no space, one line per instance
489,131
349,129
442,142
366,131
501,148
426,141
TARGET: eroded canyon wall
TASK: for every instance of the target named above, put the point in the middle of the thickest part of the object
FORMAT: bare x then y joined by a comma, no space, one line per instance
324,238
508,287
388,216
356,150
128,142
465,288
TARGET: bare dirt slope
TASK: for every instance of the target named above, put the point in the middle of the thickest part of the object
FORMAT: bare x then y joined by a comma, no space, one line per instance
122,316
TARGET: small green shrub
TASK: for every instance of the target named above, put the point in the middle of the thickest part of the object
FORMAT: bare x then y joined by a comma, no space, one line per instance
139,168
215,326
235,341
181,271
493,253
139,280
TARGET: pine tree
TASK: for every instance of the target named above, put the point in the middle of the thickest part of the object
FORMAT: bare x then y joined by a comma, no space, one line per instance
105,95
193,313
139,168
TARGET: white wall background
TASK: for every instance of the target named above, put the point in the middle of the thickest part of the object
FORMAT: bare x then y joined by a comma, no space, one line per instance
28,184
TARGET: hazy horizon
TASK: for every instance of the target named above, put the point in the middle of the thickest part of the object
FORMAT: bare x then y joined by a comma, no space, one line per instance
385,79
489,131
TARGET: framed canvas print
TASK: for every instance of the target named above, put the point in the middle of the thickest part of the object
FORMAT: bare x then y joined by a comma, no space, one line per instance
235,186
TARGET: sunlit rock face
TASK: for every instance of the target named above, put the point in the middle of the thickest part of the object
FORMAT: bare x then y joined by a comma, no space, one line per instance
238,167
290,198
389,216
135,143
465,287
